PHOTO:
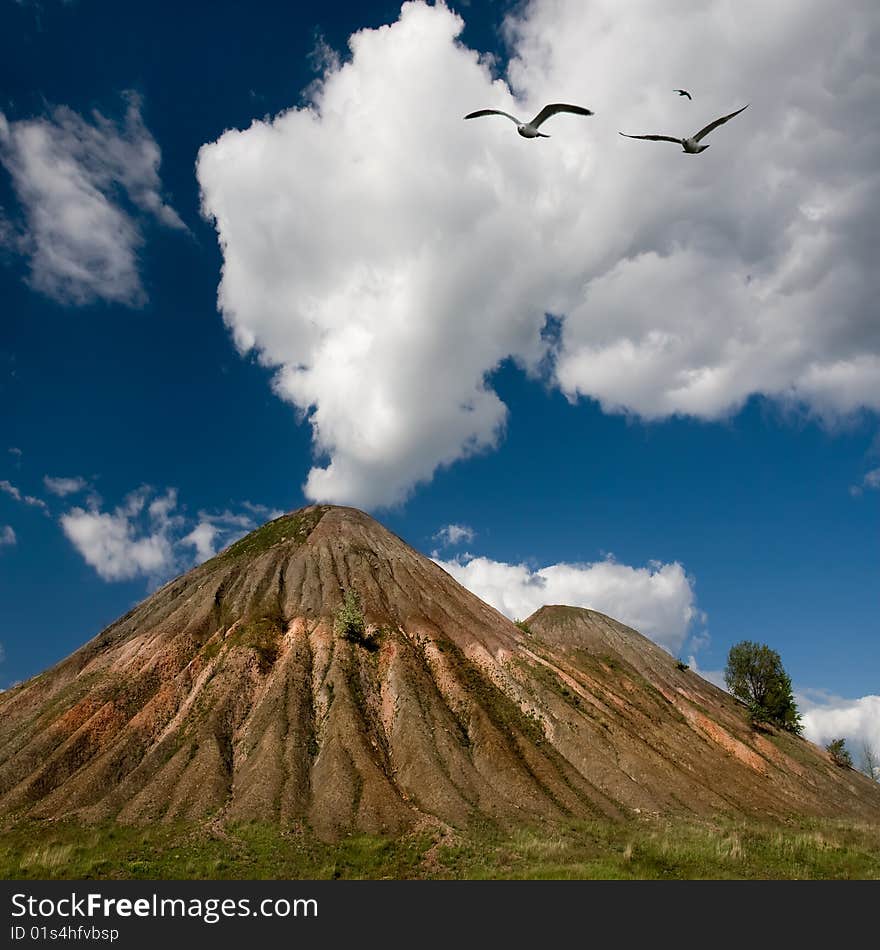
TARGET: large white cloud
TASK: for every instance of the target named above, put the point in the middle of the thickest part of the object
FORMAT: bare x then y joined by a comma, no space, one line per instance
356,239
68,172
384,255
856,720
657,600
747,269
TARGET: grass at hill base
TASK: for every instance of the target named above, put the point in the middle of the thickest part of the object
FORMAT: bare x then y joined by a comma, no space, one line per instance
646,849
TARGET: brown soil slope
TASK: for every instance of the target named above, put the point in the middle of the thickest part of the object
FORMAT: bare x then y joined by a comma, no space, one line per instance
227,693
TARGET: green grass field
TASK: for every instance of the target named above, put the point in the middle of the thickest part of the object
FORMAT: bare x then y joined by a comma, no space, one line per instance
644,850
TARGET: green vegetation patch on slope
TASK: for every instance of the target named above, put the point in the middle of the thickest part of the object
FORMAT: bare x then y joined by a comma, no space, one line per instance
503,711
550,680
260,634
295,527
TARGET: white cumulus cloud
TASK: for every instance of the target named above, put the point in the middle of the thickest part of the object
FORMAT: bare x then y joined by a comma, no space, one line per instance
657,600
68,173
856,720
126,542
202,538
385,256
149,534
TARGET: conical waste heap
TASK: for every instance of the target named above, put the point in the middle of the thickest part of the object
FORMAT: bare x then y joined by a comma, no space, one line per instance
229,694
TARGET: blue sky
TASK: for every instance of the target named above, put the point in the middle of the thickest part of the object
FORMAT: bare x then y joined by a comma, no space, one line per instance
694,448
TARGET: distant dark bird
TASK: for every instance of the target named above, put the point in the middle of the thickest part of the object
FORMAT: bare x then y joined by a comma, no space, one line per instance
683,92
529,130
691,145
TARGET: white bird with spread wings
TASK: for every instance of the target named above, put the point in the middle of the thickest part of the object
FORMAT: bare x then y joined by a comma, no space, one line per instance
690,145
529,130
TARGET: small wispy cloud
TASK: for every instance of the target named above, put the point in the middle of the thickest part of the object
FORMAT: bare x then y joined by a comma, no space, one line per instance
7,536
870,482
10,490
217,530
64,486
452,534
262,511
716,677
69,174
322,57
14,492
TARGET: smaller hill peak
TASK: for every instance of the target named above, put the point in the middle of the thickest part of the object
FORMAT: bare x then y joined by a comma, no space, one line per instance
562,612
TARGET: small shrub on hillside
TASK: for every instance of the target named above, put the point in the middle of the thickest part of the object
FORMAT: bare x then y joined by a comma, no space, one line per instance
350,622
839,753
870,761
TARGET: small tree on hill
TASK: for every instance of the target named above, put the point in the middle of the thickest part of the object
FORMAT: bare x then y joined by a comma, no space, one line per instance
870,761
754,674
839,753
349,622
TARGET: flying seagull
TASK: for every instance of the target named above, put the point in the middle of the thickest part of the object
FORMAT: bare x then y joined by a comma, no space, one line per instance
529,130
683,92
691,145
